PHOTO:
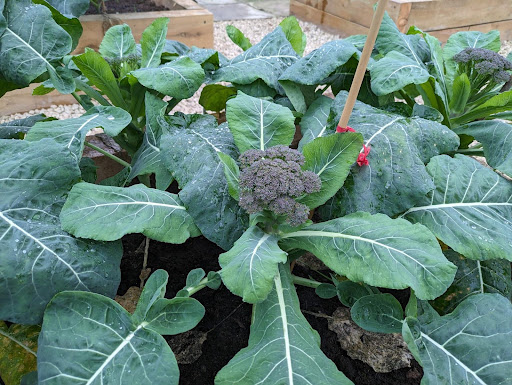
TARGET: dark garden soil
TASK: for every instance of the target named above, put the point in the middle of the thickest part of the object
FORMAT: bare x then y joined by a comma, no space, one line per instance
126,6
224,329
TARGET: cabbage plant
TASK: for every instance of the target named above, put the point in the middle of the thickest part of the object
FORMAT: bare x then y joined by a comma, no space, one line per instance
393,203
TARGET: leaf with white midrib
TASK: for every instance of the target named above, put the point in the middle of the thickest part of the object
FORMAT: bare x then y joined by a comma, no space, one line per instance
379,251
148,158
474,277
266,60
496,138
71,133
470,210
469,346
283,348
190,151
396,177
248,269
31,36
259,124
136,209
37,258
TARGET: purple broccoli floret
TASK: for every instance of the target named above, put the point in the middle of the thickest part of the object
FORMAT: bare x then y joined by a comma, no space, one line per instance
273,179
484,68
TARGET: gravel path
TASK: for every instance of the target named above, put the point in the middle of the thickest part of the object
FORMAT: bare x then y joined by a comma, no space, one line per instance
254,29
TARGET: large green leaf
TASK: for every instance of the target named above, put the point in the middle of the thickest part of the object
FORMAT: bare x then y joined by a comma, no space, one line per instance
118,42
379,313
38,259
395,71
179,79
18,346
154,289
214,97
98,72
294,34
469,346
497,104
266,60
474,277
238,37
190,149
137,209
71,133
314,68
31,42
330,158
258,124
314,122
436,60
283,347
467,39
470,210
148,158
396,178
71,8
16,129
391,39
69,23
91,339
249,268
379,251
152,42
496,138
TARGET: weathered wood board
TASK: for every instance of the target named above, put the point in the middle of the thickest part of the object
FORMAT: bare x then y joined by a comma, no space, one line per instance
440,18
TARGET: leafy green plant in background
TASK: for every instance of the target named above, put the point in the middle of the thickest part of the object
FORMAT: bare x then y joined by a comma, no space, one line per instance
376,225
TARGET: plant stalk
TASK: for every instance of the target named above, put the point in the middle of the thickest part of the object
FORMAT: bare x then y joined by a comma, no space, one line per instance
471,151
305,282
363,63
201,285
108,155
144,274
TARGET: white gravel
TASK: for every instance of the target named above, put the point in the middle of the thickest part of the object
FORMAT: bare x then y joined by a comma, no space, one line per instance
254,29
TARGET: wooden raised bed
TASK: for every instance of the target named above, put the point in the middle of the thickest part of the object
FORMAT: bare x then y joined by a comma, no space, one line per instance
189,23
440,18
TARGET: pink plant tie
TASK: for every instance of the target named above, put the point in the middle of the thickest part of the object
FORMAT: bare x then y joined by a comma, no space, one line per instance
361,159
346,129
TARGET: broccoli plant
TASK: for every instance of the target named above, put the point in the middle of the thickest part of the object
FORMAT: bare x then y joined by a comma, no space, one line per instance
409,214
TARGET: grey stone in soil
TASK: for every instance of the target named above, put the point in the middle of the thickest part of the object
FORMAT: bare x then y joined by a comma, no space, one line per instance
383,352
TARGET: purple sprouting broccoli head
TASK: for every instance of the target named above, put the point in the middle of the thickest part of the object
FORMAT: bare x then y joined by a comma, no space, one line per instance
273,179
486,63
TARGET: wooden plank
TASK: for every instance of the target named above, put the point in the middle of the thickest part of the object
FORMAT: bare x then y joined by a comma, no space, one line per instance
359,12
425,14
402,21
326,20
505,28
448,14
192,27
22,100
186,4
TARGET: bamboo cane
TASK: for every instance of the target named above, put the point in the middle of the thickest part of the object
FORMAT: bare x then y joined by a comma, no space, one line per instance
363,63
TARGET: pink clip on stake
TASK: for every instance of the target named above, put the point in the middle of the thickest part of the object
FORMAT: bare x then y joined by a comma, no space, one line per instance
346,129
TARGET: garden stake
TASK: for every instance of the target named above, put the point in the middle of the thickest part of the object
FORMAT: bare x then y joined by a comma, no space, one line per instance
363,63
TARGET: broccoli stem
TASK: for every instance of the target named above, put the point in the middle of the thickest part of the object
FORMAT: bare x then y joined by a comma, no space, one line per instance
305,282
